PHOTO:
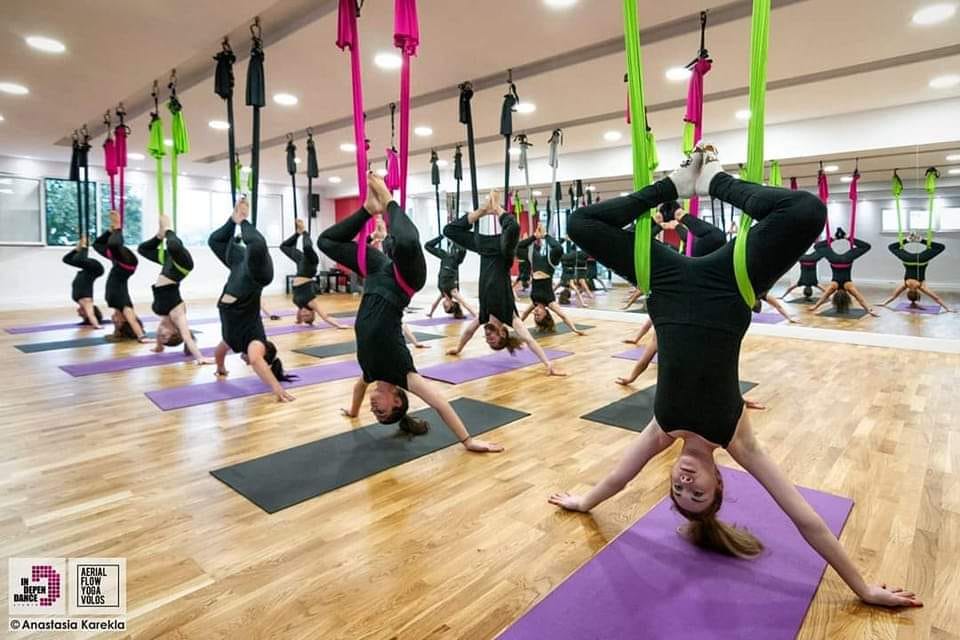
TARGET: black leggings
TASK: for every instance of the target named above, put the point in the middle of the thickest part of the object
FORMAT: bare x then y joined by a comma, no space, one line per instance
245,263
306,260
338,242
787,221
176,259
110,245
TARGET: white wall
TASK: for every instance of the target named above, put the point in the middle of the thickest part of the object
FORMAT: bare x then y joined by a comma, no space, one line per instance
35,277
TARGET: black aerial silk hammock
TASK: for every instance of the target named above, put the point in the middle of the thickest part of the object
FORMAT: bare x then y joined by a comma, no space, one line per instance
435,181
292,170
458,176
313,171
466,117
510,100
223,82
256,98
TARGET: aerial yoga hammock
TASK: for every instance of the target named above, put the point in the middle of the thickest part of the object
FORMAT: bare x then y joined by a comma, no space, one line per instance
693,119
523,165
435,181
256,98
180,144
80,174
510,101
392,178
458,177
223,86
313,171
553,159
291,151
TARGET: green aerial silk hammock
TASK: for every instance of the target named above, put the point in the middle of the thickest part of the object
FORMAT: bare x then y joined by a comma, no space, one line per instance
181,145
896,186
156,150
642,173
930,184
776,177
759,40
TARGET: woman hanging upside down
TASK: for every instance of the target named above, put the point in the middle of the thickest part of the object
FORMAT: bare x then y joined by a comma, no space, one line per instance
82,286
381,351
110,245
542,266
448,278
304,283
915,271
176,263
498,311
808,274
841,264
701,320
251,269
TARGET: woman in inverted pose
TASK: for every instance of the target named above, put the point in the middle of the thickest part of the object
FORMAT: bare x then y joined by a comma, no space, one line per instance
391,280
251,269
124,262
543,252
808,274
304,283
841,264
568,275
915,271
176,263
448,278
82,287
700,320
498,310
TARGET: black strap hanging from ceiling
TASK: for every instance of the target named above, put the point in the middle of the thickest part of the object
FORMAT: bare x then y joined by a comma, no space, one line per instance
313,171
223,83
435,181
510,100
466,117
256,98
292,170
458,176
75,177
85,166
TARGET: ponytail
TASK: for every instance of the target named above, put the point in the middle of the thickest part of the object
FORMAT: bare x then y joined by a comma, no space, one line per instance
413,426
547,324
708,532
277,368
841,301
512,343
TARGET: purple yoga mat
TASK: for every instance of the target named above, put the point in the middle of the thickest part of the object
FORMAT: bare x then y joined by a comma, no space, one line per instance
196,394
650,583
767,318
432,322
633,354
923,308
475,368
173,357
57,326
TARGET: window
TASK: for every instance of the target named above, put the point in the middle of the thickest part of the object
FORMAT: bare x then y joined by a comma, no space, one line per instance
132,211
194,223
20,210
270,219
914,219
62,211
949,219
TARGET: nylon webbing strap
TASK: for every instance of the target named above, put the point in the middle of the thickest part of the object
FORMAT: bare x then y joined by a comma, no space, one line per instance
896,187
930,184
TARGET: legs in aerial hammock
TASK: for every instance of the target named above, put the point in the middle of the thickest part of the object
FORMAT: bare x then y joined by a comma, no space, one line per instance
304,284
110,244
82,286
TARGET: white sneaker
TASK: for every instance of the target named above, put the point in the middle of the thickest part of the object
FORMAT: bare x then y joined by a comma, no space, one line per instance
685,177
709,168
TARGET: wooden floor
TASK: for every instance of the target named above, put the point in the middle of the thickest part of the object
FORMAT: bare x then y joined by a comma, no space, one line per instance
452,545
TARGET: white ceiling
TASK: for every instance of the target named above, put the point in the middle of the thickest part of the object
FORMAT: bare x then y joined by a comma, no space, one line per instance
116,50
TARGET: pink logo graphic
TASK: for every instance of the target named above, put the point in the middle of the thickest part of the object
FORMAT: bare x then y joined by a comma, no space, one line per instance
48,573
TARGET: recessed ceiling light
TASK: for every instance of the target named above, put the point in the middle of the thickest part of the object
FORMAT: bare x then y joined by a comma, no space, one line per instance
846,179
678,74
7,191
167,142
935,13
388,61
381,172
537,194
525,107
244,170
135,156
1,117
423,131
348,147
514,151
590,187
47,45
559,4
285,99
954,172
742,114
831,168
334,180
612,136
441,163
624,194
14,89
296,160
219,125
953,157
945,82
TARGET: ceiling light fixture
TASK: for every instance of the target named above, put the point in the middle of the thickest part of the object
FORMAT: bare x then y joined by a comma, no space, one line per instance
954,172
945,82
244,170
219,125
612,136
382,172
1,117
423,132
830,168
167,142
348,147
590,187
953,157
934,14
537,194
678,74
7,191
525,107
14,89
388,61
296,160
559,4
47,45
742,114
441,163
285,99
846,179
334,180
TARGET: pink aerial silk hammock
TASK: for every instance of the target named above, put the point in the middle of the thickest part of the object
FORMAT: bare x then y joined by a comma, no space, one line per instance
793,184
393,170
110,166
853,204
120,152
694,116
823,190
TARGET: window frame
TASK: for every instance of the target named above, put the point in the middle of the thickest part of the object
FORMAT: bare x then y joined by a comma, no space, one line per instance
41,214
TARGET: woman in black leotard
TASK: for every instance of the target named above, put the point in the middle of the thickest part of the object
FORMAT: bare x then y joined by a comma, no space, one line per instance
304,283
700,320
841,286
915,271
391,280
808,274
448,278
110,245
498,310
543,252
241,327
81,290
176,263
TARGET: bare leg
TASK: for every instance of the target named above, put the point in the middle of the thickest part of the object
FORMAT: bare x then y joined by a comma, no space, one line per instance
773,302
826,296
896,294
849,286
934,297
315,306
433,307
527,311
787,292
557,310
455,294
645,359
131,317
87,305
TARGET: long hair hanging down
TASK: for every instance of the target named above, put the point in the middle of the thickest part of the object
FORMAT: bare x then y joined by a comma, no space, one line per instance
712,534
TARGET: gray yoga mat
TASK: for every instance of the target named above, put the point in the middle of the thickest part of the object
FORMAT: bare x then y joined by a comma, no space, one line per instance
636,410
76,343
561,329
802,300
852,314
343,348
285,478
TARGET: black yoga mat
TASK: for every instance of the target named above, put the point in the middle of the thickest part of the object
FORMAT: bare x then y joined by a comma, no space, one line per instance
635,411
852,314
560,329
802,300
94,341
343,348
285,478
